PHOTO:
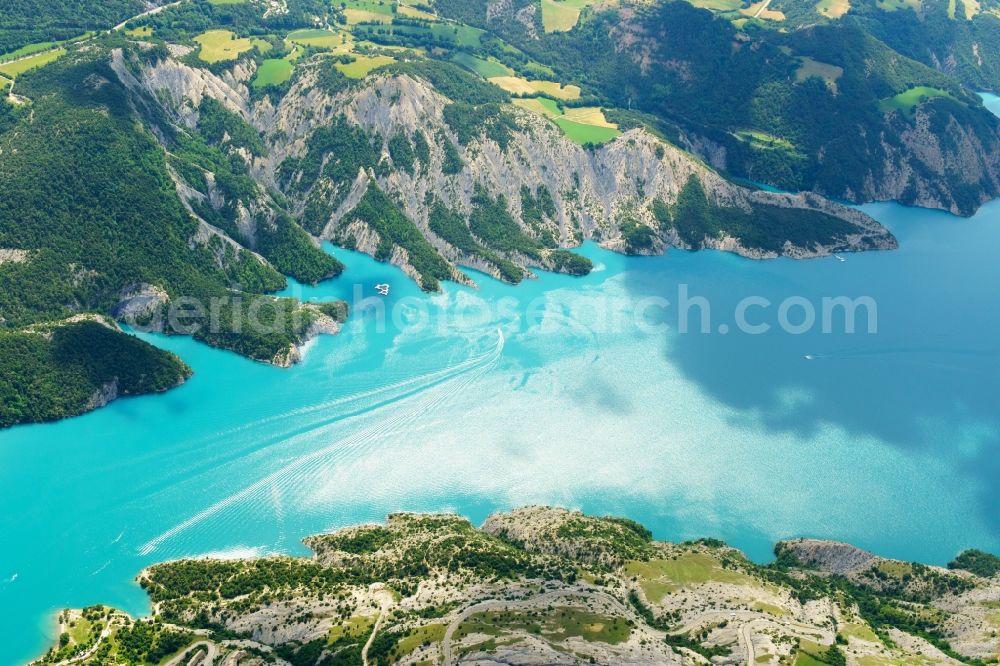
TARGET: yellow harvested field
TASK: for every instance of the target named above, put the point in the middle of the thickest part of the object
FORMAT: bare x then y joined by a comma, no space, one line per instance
354,16
362,65
219,45
756,10
563,15
336,42
413,12
829,73
833,8
535,105
519,86
553,89
589,115
558,16
513,84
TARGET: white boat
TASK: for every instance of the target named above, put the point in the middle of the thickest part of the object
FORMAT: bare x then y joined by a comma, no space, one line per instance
382,289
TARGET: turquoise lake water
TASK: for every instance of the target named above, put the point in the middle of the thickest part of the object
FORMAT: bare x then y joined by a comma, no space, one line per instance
560,390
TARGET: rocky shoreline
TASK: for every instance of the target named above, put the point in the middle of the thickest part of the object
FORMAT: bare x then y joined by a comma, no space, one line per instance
541,585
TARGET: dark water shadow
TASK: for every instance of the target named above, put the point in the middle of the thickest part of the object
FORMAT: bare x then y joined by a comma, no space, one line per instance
927,382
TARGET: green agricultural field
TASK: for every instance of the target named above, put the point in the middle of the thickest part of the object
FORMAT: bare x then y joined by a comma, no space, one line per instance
584,134
271,72
366,11
219,45
562,15
362,65
4,82
13,68
324,39
27,50
484,68
227,2
460,35
38,47
540,105
141,31
517,85
907,102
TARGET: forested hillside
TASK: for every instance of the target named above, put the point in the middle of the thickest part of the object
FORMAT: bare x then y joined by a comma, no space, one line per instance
23,22
202,152
827,107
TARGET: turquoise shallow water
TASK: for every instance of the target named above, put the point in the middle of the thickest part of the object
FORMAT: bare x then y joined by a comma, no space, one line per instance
559,390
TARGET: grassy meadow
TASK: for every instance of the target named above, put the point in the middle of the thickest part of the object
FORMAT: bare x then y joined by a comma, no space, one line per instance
220,45
362,65
272,71
485,68
11,69
906,102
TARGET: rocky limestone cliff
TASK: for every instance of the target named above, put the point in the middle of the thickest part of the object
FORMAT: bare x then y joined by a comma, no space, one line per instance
595,193
829,556
540,585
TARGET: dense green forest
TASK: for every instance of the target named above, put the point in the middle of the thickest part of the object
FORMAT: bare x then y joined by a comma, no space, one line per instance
111,186
89,232
960,37
55,372
24,22
809,132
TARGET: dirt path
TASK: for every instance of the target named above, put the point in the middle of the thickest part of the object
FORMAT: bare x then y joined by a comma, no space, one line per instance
762,9
747,639
386,601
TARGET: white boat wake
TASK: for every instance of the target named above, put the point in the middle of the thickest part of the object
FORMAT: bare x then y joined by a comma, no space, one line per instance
409,406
